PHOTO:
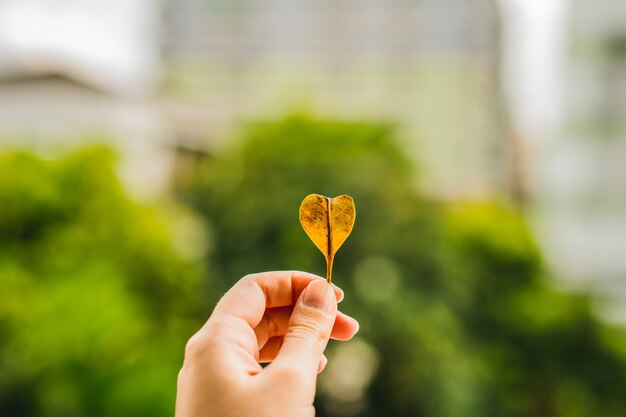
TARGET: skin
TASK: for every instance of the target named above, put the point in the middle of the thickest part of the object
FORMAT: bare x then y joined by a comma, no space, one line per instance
285,318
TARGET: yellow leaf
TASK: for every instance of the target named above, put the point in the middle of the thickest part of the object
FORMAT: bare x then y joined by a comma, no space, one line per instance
328,222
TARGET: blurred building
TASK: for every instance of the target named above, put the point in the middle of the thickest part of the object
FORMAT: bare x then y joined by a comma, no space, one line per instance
581,200
570,117
432,65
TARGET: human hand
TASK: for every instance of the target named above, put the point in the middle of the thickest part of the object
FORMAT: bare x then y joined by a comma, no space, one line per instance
281,317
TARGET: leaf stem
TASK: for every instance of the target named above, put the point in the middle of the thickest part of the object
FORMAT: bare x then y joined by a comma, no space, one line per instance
329,255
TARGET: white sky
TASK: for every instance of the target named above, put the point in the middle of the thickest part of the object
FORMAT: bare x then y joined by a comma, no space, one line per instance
113,42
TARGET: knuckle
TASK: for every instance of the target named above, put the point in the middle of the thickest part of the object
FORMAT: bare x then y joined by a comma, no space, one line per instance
307,328
249,278
196,346
205,341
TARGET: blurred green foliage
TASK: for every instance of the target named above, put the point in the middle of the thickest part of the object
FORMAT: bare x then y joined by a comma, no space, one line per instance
457,318
95,304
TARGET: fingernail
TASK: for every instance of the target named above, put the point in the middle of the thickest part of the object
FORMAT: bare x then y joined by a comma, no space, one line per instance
319,295
322,364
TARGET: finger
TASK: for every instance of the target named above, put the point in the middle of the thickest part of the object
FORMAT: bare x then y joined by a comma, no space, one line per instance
249,297
322,364
270,350
276,321
308,333
345,327
273,324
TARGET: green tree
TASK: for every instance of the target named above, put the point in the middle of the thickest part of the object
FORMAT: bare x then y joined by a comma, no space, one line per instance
95,303
457,317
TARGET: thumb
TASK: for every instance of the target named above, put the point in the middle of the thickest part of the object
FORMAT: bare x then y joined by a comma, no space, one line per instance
309,329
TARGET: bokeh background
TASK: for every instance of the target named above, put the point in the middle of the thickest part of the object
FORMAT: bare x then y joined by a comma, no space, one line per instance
153,152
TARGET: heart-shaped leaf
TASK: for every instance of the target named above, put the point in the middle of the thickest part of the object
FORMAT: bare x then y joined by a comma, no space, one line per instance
328,222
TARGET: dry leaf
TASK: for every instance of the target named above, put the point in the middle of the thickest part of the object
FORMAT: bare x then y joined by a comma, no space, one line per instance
328,222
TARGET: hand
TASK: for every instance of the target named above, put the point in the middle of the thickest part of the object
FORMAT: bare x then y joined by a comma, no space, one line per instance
281,317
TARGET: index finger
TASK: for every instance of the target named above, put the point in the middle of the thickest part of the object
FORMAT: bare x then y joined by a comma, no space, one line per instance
253,294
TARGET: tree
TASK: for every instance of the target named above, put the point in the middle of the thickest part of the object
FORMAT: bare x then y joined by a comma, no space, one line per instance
95,303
